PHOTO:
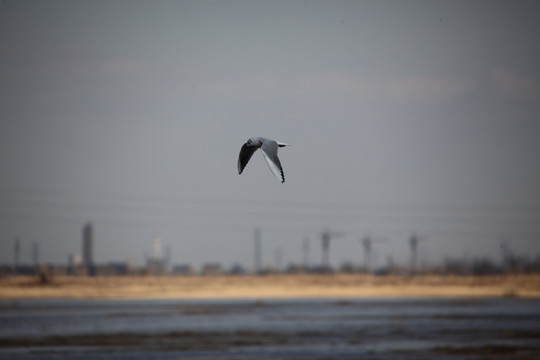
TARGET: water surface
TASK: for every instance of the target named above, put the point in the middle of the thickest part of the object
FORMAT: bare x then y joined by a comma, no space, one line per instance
503,328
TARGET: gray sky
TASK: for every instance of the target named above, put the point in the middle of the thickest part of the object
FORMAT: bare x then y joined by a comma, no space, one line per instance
403,116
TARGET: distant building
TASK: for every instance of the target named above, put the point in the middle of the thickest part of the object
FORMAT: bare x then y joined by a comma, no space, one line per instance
237,269
211,269
296,269
156,266
183,269
88,249
114,269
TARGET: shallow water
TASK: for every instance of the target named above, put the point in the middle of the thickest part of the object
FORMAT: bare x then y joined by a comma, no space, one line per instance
271,329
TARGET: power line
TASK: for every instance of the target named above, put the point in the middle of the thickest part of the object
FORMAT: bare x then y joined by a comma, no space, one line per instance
222,209
130,199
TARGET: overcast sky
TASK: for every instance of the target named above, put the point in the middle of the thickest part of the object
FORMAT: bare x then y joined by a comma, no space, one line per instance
403,116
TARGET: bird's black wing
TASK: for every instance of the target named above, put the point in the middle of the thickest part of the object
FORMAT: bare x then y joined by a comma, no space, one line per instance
246,152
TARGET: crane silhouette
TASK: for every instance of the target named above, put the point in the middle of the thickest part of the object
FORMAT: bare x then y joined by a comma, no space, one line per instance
326,236
367,242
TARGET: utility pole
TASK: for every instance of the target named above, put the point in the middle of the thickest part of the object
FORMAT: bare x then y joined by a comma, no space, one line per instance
16,253
305,253
35,256
258,250
366,241
413,243
279,260
505,256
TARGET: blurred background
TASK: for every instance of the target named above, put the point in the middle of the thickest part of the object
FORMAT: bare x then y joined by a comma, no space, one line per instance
414,131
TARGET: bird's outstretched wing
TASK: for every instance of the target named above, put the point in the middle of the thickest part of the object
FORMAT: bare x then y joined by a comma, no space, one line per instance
269,150
246,152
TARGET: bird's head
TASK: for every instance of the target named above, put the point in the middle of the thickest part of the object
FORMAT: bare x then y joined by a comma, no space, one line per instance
253,142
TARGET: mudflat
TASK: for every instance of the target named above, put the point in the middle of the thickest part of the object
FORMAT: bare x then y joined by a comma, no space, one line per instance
270,286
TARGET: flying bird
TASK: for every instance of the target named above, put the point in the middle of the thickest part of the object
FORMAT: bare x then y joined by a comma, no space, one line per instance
269,149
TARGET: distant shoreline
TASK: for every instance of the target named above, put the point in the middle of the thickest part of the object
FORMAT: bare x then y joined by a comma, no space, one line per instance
271,287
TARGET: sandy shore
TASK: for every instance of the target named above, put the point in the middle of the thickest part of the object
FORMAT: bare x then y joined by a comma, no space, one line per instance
274,286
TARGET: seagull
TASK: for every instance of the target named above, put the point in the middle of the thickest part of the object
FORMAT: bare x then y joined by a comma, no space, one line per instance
269,149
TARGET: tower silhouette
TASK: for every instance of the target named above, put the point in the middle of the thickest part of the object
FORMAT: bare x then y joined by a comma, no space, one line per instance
88,248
